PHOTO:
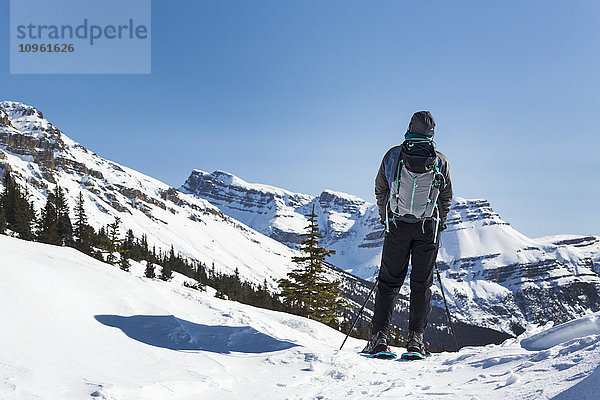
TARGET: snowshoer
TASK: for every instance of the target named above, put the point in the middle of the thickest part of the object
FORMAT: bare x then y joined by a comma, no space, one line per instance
414,193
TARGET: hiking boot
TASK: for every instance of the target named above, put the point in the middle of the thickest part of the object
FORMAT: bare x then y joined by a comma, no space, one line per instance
378,343
415,345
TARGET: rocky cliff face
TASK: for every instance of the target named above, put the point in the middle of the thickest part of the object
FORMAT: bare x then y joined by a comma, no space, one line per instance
495,276
350,225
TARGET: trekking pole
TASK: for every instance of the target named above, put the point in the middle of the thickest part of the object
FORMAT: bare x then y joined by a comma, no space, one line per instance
437,271
359,313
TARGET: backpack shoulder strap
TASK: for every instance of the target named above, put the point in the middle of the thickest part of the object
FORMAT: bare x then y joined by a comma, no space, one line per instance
391,164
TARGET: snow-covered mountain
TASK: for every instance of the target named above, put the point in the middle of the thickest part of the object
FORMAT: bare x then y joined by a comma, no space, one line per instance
496,276
349,224
41,156
77,328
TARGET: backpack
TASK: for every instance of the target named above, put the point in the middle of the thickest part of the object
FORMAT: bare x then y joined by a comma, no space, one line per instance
415,189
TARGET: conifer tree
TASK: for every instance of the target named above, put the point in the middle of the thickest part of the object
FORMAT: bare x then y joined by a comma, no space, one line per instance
82,229
144,245
306,289
124,262
18,211
64,225
200,274
149,272
166,273
2,219
48,223
113,240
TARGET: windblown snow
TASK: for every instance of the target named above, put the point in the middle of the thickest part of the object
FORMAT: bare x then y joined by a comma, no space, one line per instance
77,328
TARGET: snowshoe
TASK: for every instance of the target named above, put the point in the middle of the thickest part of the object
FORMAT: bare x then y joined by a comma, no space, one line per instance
416,349
385,355
378,346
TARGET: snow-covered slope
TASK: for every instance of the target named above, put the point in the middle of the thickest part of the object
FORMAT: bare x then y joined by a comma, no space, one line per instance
76,328
496,276
41,156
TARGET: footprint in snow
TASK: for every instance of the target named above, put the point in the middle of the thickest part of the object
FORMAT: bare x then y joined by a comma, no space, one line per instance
337,375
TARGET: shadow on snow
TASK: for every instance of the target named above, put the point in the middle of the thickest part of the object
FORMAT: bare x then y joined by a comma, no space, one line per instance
173,333
587,388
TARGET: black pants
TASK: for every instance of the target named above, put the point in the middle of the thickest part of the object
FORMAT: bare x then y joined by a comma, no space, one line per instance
406,241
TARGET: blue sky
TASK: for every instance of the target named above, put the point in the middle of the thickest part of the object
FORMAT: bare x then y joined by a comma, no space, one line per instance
309,95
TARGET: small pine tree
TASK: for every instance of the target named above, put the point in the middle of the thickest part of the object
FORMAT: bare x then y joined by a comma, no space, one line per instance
48,223
306,289
2,219
124,262
149,271
82,229
113,240
166,274
200,274
64,226
220,294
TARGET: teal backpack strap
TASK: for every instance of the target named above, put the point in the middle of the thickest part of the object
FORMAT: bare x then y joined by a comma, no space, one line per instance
437,223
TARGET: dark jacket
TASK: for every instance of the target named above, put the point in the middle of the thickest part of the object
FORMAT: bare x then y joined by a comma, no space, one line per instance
382,189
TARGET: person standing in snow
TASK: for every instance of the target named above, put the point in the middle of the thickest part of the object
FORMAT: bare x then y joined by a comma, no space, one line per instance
414,193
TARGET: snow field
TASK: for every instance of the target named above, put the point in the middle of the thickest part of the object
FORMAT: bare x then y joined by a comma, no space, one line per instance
76,328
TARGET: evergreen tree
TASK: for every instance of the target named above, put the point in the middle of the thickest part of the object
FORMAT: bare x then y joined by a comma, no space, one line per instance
166,273
64,225
48,223
133,246
149,272
200,274
144,246
18,211
82,229
2,219
113,240
124,262
306,289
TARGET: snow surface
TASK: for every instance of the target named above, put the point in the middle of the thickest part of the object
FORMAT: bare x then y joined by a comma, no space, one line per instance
78,328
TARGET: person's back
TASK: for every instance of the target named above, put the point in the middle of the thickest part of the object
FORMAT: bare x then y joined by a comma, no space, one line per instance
414,193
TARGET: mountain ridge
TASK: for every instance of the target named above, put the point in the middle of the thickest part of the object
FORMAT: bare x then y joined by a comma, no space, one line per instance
492,272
